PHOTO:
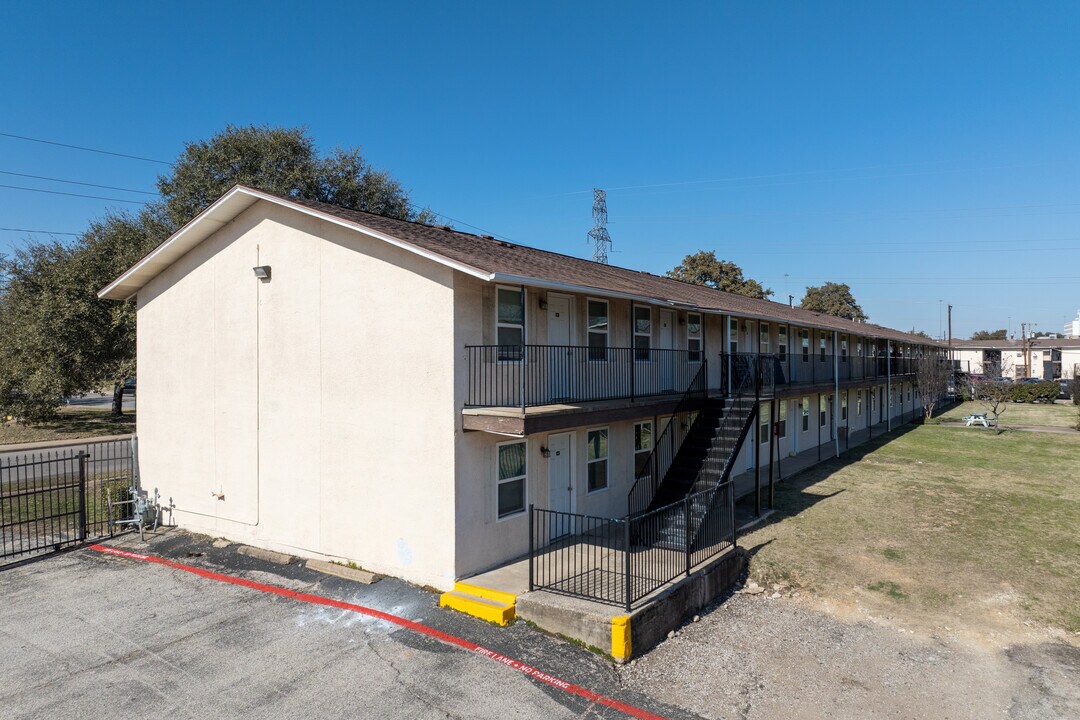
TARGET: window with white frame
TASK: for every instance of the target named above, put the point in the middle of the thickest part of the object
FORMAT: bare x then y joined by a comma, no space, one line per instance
805,405
643,445
510,323
598,329
733,335
781,419
843,348
642,332
511,470
858,348
693,337
804,339
781,342
823,409
763,423
763,338
843,406
822,345
596,458
858,402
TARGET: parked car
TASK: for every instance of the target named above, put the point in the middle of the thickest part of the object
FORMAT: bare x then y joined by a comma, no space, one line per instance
1030,381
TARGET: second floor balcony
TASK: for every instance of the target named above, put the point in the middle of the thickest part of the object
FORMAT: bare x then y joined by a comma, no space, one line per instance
518,389
525,376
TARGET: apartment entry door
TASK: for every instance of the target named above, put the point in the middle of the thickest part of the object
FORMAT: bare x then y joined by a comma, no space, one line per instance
667,344
560,481
558,356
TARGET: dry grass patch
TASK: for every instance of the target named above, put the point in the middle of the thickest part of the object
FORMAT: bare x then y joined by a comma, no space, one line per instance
1054,415
936,525
72,423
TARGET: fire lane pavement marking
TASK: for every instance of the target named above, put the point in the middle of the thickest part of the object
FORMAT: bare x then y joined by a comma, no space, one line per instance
447,638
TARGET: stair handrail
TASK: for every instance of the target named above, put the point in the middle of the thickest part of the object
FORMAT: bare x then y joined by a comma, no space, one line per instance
648,478
756,378
747,387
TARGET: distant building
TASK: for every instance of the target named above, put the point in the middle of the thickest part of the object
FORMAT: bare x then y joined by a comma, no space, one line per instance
1045,358
1072,328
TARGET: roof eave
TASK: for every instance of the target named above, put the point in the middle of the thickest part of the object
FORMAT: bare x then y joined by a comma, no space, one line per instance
222,211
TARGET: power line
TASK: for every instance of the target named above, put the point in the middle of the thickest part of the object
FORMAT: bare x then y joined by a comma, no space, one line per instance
57,192
37,232
419,209
819,172
86,149
76,182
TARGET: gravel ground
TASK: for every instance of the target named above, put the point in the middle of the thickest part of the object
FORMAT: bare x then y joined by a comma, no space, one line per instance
757,657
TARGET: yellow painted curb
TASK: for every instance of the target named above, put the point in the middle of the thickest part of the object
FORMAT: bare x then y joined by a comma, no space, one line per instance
478,591
484,608
621,646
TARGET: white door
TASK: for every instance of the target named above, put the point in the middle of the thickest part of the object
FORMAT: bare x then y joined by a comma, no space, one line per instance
667,343
558,356
560,481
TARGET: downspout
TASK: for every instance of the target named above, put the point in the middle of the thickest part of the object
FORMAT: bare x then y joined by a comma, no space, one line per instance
836,393
888,384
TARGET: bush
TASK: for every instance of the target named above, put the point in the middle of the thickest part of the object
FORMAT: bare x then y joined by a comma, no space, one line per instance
1046,391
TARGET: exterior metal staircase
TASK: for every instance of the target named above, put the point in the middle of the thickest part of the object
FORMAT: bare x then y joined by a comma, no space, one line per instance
698,474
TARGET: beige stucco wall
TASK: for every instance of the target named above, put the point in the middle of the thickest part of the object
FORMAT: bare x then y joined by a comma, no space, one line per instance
1070,362
312,413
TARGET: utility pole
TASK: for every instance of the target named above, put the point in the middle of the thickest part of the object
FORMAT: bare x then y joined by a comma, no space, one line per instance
950,340
1024,344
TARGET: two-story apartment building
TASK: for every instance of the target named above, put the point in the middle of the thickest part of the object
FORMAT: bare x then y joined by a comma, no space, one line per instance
398,394
1016,359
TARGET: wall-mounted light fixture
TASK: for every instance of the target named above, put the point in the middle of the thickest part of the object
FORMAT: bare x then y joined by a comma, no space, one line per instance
544,451
543,304
262,272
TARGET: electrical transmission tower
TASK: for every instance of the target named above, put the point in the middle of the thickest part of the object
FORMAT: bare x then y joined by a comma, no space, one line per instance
599,234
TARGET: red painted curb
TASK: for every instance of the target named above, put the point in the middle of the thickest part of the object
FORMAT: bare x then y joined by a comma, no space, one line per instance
394,619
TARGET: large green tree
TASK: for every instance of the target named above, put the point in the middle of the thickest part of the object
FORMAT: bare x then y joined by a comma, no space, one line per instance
703,268
833,299
990,335
58,339
283,161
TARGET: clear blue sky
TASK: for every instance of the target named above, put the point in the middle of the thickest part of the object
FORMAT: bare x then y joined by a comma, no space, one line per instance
919,152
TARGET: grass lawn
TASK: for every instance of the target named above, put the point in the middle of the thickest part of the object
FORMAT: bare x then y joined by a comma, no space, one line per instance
1057,414
937,526
73,423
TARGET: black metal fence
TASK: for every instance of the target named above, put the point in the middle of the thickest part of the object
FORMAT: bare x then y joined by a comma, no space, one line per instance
59,498
530,375
620,561
813,368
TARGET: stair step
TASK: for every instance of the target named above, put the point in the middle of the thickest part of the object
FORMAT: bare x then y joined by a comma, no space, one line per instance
493,609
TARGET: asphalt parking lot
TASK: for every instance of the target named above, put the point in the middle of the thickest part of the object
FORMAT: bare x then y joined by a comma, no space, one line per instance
89,635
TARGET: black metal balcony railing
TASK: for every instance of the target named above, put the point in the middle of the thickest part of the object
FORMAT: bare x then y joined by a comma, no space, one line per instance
531,375
811,369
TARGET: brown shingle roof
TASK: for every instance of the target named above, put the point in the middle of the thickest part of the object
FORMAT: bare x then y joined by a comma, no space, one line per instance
496,256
